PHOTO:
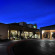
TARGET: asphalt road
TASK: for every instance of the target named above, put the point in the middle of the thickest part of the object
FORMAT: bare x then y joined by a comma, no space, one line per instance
3,47
28,47
35,47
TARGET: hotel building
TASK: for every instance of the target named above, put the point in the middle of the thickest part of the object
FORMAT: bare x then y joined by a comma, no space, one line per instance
16,31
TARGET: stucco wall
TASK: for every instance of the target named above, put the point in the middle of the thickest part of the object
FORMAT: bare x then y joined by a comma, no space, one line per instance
3,31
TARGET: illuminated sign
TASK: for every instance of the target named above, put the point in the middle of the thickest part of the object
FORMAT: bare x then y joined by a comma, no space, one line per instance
34,26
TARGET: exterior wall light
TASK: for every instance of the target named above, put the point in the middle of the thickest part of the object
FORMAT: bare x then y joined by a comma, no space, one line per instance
42,32
51,32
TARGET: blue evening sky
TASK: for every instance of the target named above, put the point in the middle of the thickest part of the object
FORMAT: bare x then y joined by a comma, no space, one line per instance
40,12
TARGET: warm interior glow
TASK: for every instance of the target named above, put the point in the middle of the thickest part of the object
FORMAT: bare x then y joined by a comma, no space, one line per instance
26,34
13,34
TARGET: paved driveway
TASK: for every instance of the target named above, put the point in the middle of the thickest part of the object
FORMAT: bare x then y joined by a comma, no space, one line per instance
42,47
3,47
35,47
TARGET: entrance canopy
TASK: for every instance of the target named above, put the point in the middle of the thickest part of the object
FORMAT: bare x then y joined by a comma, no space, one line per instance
48,32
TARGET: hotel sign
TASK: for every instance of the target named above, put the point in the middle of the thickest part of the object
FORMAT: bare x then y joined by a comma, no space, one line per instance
34,26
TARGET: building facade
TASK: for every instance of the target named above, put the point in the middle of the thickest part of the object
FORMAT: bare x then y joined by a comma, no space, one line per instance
15,31
3,31
22,31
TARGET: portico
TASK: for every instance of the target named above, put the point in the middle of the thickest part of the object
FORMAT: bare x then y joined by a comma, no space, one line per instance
48,32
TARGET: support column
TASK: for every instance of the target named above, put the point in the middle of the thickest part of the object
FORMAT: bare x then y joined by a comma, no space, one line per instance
24,34
9,33
42,36
28,34
17,33
50,36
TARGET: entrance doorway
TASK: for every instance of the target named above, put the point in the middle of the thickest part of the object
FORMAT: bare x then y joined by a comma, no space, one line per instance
53,35
46,35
